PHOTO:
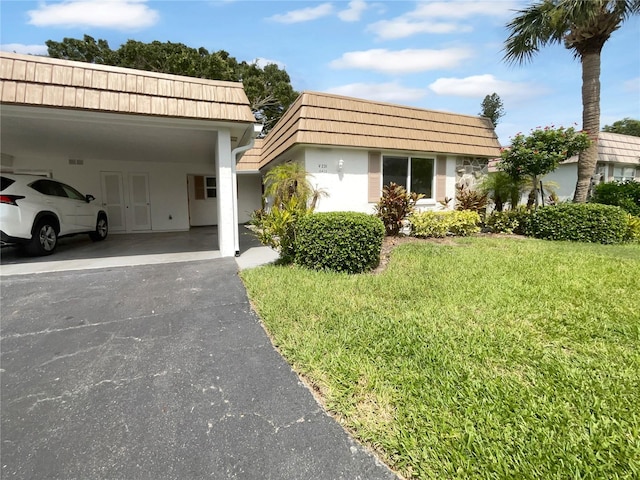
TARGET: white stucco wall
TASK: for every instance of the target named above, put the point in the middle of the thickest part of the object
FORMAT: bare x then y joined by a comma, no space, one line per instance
201,211
565,176
167,183
347,188
249,195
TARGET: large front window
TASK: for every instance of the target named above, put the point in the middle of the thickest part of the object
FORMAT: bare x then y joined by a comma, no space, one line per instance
413,173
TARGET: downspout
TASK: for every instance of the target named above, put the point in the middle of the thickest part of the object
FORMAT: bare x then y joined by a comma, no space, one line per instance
257,128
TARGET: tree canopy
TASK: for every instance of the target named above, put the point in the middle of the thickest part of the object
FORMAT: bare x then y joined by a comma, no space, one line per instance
583,27
626,126
268,88
492,108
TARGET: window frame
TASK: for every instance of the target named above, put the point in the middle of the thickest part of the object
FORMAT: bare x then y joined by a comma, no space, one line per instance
409,158
210,191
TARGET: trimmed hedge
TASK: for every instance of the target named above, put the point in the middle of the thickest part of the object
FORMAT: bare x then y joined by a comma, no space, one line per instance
340,241
440,224
509,221
580,222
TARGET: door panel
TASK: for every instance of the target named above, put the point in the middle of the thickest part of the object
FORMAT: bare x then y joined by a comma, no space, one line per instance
113,200
141,211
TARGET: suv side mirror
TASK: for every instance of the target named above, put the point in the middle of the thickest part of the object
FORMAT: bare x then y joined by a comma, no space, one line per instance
89,198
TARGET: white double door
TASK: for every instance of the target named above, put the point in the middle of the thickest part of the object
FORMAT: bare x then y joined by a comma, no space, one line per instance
126,200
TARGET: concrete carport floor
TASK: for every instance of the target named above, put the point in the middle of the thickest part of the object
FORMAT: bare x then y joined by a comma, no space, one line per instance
80,253
156,372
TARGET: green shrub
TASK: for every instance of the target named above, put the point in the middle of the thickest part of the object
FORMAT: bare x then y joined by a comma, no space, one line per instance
468,198
633,229
394,206
440,224
579,222
509,221
276,228
340,241
623,194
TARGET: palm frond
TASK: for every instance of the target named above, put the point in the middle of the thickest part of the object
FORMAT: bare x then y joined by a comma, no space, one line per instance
531,29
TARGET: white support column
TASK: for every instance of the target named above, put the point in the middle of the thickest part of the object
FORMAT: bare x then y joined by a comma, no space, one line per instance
227,228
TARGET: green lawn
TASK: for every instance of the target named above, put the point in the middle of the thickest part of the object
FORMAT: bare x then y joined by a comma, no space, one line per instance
484,358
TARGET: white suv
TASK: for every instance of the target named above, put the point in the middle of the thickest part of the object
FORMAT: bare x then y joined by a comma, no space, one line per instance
35,211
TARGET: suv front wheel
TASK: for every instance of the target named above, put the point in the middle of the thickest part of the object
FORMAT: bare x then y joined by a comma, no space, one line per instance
44,239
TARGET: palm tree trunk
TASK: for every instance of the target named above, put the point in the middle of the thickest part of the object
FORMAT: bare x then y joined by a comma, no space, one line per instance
588,159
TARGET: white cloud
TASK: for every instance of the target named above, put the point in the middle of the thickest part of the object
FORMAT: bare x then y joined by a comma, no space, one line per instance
402,28
25,49
440,18
464,9
304,14
263,62
478,86
632,85
117,14
353,13
402,61
383,92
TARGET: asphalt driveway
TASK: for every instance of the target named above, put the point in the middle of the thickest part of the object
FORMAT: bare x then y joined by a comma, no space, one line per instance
158,372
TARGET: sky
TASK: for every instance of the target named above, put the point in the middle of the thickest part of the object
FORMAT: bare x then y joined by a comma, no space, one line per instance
437,55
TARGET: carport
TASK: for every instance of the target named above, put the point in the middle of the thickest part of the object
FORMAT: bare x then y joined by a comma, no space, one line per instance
158,151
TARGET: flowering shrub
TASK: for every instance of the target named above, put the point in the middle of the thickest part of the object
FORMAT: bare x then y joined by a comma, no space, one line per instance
541,152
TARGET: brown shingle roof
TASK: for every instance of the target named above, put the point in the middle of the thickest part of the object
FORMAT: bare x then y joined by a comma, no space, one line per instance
616,148
250,161
44,81
325,119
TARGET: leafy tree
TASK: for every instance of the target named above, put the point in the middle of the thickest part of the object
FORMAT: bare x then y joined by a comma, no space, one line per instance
268,89
583,27
540,153
492,108
626,126
85,50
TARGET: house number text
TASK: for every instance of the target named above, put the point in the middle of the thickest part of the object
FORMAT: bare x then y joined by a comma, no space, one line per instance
322,168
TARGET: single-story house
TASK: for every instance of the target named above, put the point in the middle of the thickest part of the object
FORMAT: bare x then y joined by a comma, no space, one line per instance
165,152
352,147
618,159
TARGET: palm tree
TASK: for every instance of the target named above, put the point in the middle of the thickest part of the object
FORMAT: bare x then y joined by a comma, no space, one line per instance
583,26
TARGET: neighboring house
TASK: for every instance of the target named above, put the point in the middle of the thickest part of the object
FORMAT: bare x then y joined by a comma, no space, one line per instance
158,151
618,159
353,147
165,152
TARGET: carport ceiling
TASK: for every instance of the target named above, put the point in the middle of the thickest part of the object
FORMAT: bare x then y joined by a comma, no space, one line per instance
103,136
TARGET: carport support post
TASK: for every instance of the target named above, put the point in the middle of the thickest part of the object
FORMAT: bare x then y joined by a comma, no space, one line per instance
225,194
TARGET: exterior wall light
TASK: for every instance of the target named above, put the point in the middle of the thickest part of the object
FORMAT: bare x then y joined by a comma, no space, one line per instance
340,164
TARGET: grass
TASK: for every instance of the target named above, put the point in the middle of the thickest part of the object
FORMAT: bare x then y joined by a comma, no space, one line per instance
485,358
